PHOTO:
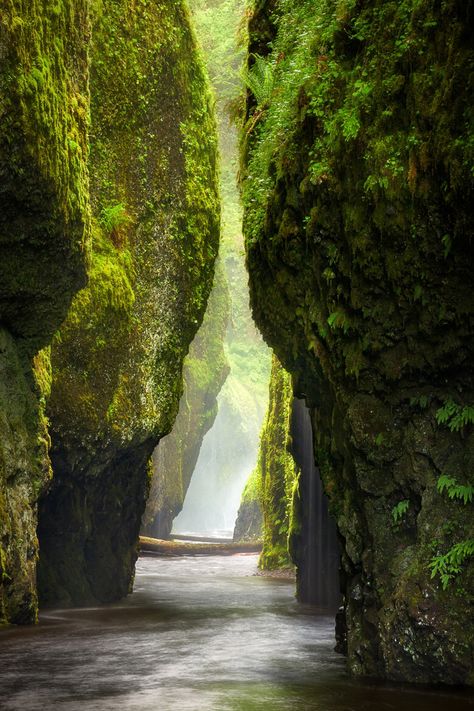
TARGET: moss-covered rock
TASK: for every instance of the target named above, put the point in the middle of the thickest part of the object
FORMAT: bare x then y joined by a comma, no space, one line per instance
204,372
117,360
273,482
249,522
44,212
358,152
44,231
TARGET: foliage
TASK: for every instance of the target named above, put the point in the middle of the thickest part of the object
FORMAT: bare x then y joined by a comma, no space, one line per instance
454,490
113,216
277,471
455,416
399,511
217,25
449,565
259,79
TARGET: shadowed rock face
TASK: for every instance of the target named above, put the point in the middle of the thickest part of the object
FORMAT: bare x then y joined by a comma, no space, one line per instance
357,193
44,230
117,361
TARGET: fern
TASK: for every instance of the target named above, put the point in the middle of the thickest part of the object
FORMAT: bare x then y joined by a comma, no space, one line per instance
400,510
455,416
259,80
422,402
454,490
338,319
113,216
449,565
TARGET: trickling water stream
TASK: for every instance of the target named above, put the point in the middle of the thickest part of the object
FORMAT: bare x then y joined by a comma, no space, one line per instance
198,634
319,554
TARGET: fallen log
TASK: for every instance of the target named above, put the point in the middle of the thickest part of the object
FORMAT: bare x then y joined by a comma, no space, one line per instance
156,546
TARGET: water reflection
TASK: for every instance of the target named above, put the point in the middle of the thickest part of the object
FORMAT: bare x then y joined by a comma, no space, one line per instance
198,634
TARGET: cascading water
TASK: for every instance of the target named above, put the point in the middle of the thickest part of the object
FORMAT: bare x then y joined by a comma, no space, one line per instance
318,553
228,454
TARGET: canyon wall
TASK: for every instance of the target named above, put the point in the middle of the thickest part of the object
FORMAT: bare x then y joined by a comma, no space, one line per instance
266,506
357,183
117,360
108,166
44,233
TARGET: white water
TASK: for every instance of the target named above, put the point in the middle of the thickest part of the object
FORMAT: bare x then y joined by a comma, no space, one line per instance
198,634
228,455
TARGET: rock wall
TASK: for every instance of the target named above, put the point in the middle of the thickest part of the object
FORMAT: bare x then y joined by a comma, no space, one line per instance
357,184
204,373
249,522
117,359
44,231
276,474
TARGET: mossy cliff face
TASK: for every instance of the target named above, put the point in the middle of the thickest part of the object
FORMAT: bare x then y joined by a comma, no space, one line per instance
205,370
44,229
357,190
118,358
249,522
276,475
43,147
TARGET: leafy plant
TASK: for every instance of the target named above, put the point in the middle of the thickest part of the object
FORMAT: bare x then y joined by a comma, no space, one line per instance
399,511
447,244
454,490
112,217
259,78
422,402
339,319
455,416
449,565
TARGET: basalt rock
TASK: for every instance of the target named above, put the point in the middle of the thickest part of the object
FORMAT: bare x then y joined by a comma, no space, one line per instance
358,188
117,360
44,231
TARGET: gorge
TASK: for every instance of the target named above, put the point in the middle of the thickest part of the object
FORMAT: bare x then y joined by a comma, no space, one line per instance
134,380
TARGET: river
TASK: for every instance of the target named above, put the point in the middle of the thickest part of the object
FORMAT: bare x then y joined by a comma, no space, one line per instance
197,634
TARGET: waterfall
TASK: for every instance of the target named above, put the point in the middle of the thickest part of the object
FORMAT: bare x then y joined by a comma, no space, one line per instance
318,555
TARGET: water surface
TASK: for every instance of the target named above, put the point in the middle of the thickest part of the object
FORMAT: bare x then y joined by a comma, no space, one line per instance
198,634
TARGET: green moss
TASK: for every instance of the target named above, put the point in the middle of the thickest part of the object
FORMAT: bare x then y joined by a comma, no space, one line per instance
275,476
44,203
357,186
117,360
44,236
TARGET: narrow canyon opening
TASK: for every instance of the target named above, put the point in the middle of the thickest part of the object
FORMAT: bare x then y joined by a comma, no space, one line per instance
236,355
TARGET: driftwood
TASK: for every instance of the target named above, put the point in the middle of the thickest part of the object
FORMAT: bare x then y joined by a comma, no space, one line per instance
155,546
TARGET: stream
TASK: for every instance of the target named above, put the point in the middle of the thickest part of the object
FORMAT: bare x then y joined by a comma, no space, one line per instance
198,634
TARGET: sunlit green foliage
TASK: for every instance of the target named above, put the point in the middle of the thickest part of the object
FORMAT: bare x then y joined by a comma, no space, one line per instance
259,80
217,27
277,472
